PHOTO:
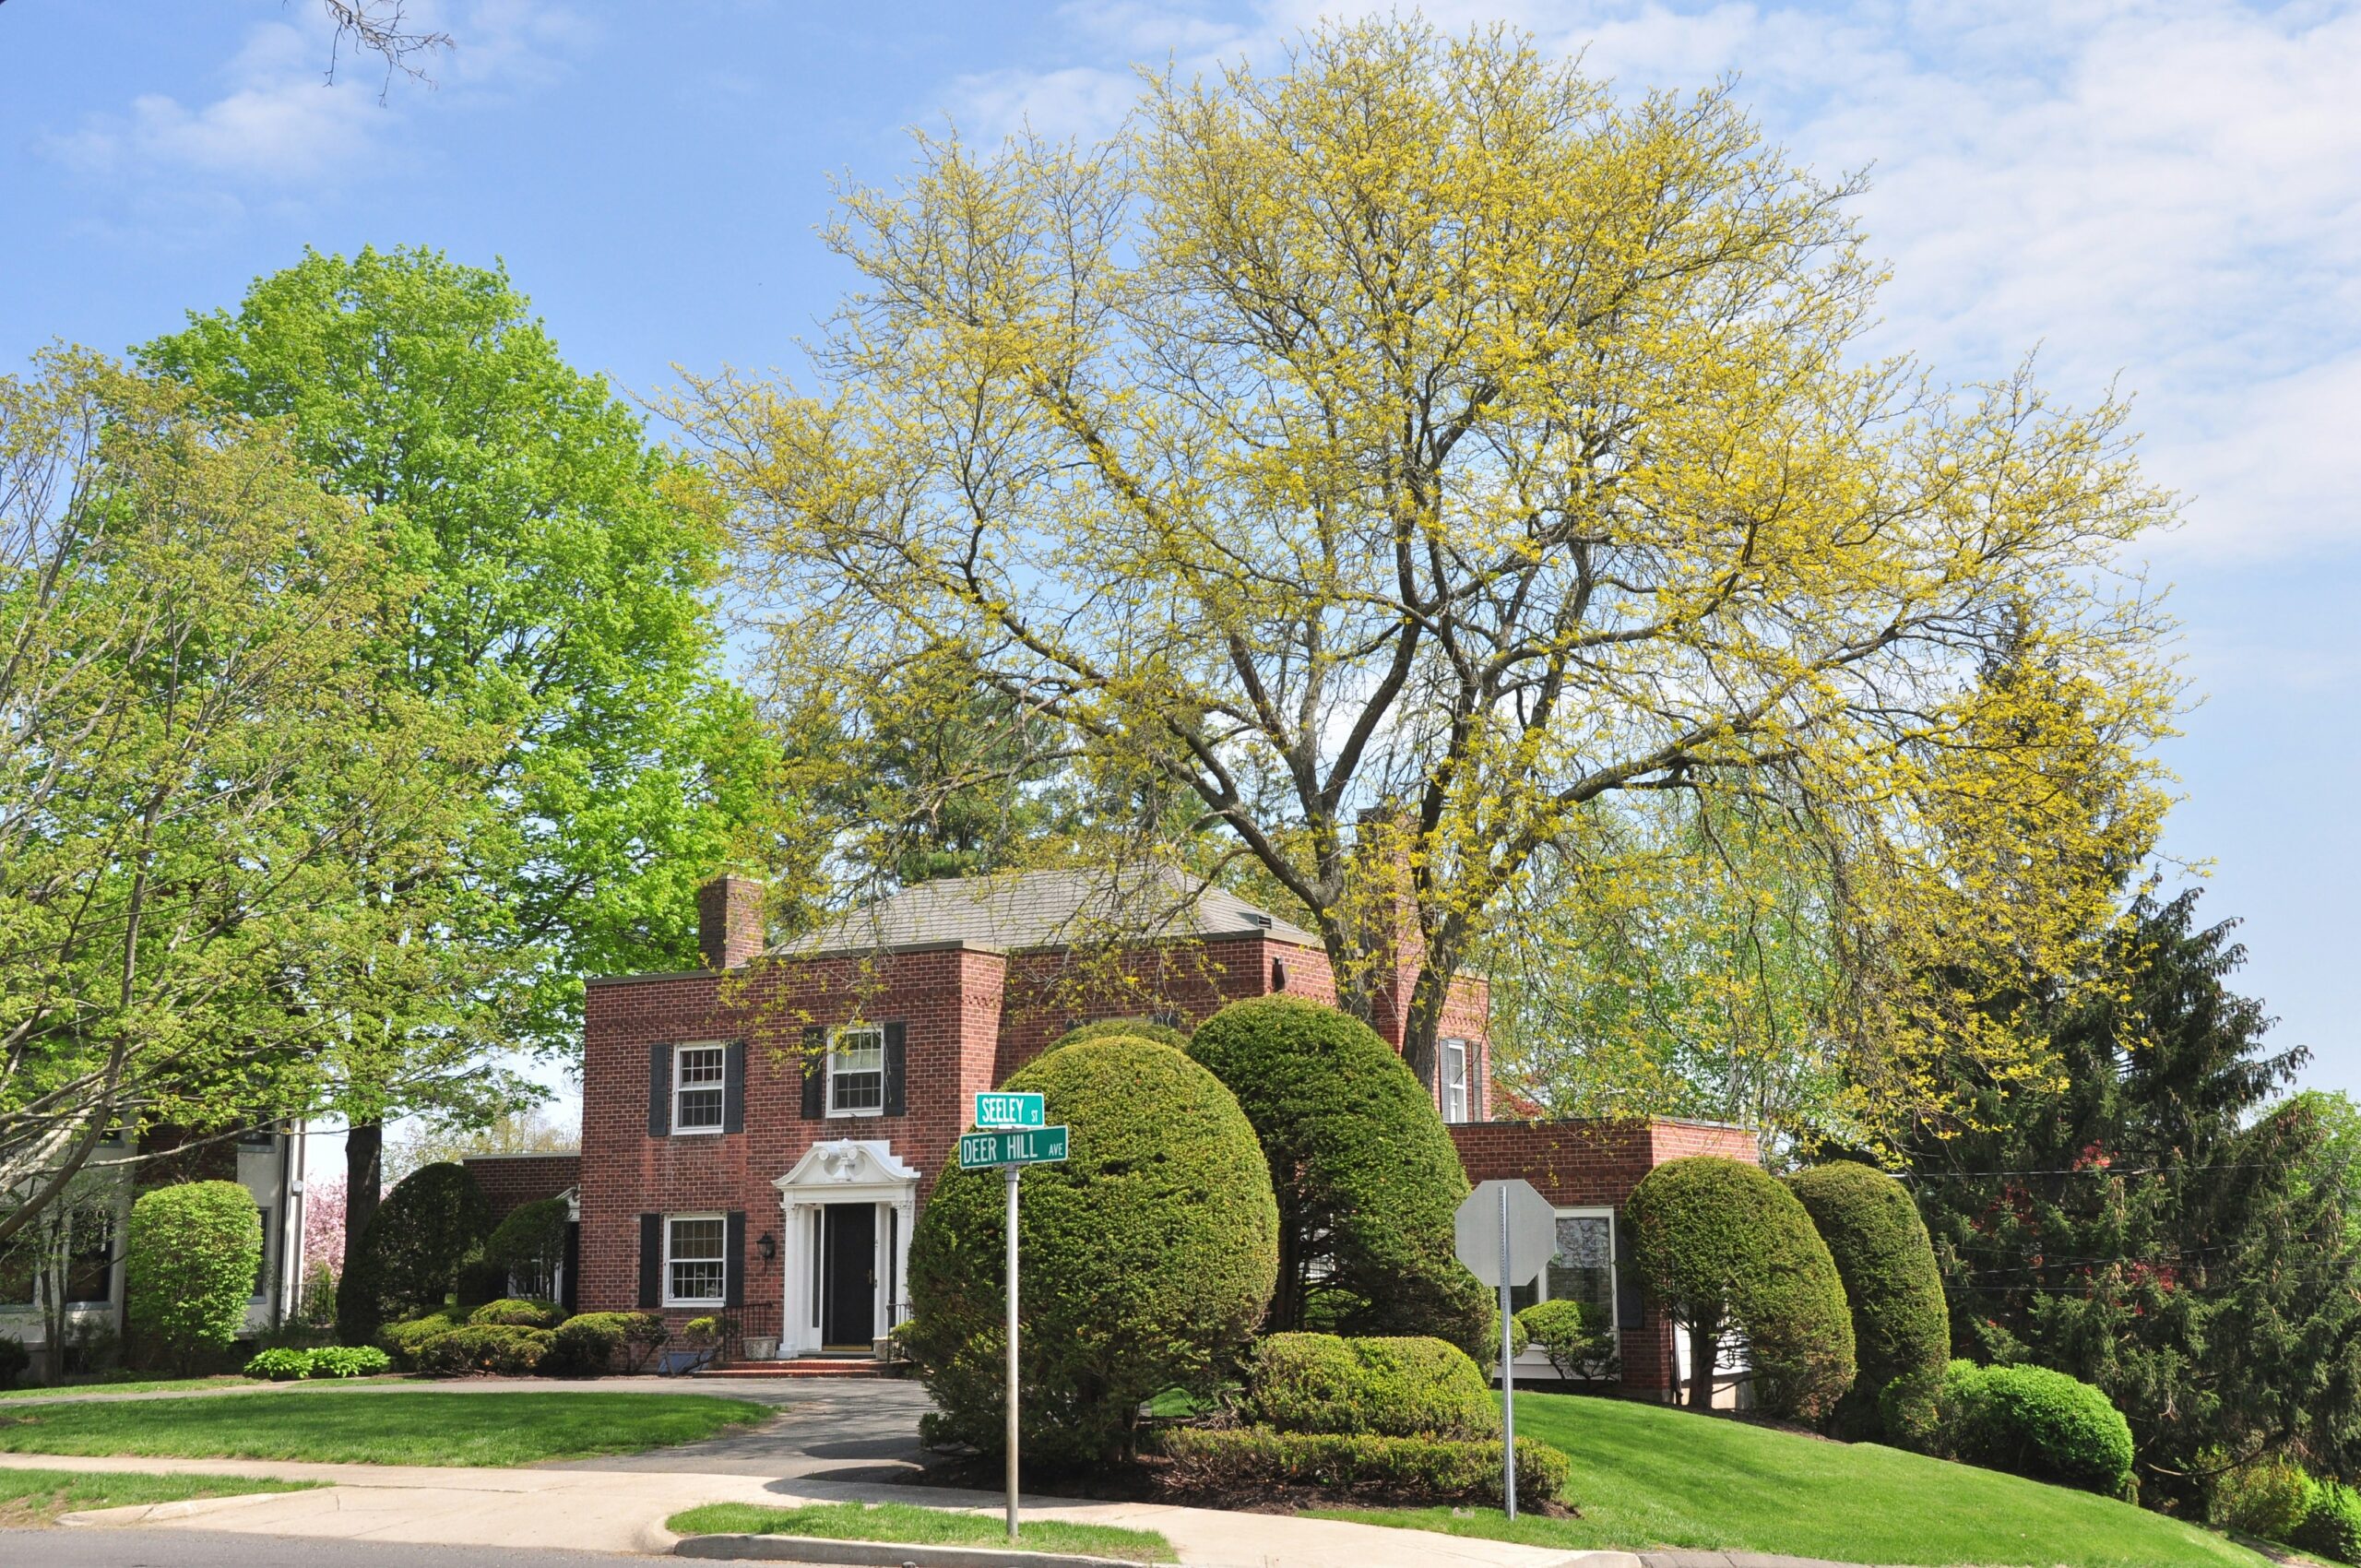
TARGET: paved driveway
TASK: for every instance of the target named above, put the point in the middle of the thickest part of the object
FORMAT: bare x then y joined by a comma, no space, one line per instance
827,1429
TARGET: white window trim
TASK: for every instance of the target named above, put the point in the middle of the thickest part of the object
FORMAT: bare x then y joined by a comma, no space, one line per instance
829,1089
1459,1113
721,1299
714,1131
1541,1280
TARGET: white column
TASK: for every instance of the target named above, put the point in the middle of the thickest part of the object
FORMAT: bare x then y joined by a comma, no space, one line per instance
797,1334
906,1220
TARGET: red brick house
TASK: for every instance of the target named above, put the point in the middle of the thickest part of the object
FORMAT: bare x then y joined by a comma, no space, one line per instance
759,1135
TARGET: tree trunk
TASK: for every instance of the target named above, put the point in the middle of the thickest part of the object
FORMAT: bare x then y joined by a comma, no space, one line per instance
1704,1340
364,1181
1422,1029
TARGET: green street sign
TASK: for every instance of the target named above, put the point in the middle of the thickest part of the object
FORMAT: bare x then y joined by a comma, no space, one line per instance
1029,1146
1002,1109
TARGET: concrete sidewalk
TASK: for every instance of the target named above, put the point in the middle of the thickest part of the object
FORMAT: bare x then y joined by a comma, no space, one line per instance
625,1511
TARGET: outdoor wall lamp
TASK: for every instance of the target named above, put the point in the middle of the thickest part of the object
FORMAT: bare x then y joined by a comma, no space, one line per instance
767,1246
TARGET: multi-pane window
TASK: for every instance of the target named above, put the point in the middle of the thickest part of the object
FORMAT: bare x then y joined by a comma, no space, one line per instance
695,1273
1583,1268
1455,1080
857,1072
698,1088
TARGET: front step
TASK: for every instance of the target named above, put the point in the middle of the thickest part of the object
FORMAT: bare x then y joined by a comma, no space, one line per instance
802,1366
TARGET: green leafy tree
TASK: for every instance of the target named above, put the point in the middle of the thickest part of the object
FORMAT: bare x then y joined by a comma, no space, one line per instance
565,570
190,1263
1148,1256
2158,1226
218,826
1367,1176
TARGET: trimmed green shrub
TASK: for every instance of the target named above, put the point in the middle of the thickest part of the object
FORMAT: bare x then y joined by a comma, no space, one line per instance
590,1344
2033,1421
190,1262
1123,1028
1364,1173
280,1365
349,1360
403,1340
1405,1387
1577,1336
2331,1529
718,1329
1149,1254
14,1360
2270,1498
431,1226
499,1348
1902,1332
1722,1245
517,1312
1395,1470
529,1244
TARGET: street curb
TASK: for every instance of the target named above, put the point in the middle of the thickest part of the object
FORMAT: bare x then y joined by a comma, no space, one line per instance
882,1553
134,1513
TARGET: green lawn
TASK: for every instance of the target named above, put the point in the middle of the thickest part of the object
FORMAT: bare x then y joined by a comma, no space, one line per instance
923,1527
396,1427
38,1497
1645,1476
152,1385
225,1383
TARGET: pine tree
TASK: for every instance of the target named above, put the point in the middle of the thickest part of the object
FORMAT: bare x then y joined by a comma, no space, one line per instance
2164,1226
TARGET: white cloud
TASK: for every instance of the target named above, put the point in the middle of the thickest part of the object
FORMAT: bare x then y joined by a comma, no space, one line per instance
281,122
2167,189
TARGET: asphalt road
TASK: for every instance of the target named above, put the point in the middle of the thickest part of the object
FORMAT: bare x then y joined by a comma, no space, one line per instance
194,1548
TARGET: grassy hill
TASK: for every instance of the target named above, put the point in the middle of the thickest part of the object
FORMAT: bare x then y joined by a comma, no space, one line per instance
1647,1476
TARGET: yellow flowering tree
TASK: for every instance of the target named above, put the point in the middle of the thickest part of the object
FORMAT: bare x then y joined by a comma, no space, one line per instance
1422,459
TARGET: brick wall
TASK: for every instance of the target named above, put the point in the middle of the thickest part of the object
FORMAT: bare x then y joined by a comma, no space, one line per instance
1595,1164
512,1181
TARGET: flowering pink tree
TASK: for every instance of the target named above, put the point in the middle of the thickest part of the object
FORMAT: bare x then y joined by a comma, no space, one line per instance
323,1223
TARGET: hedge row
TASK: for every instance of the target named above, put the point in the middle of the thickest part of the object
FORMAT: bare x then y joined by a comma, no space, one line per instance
1380,1387
516,1339
1400,1469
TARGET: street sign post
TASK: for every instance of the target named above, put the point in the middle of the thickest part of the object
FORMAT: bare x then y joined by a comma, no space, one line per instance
1504,1232
1011,1146
1002,1108
1011,1136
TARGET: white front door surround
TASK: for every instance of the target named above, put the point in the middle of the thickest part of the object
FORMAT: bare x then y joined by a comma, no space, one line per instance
844,1170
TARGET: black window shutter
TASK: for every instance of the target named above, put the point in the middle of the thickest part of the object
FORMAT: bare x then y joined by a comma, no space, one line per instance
816,1073
660,1091
897,1070
651,1260
1628,1304
733,1086
733,1288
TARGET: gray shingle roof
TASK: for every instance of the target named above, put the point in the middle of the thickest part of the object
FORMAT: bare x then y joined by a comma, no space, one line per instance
1045,909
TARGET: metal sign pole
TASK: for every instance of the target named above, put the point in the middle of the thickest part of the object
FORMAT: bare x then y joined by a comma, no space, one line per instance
1011,1171
1508,1366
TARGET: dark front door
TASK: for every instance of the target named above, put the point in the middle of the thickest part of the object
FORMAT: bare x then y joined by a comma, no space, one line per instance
848,1280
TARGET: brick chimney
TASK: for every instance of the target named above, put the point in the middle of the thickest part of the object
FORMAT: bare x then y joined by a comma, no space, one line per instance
730,921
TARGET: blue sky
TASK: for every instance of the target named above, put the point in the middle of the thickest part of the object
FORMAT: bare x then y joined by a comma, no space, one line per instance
2167,192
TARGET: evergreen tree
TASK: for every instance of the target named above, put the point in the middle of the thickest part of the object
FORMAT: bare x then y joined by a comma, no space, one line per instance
2161,1225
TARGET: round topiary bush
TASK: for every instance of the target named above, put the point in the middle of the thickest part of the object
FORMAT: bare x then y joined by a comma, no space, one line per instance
1399,1387
190,1262
1365,1172
1147,1255
1722,1245
1901,1334
430,1227
501,1349
2033,1421
1578,1337
1123,1028
519,1312
529,1245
